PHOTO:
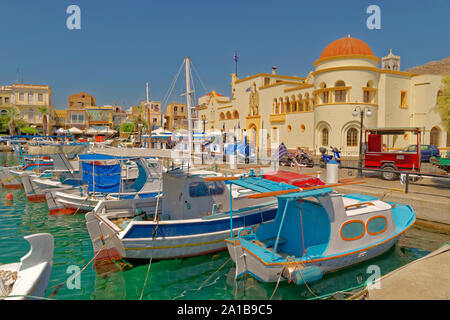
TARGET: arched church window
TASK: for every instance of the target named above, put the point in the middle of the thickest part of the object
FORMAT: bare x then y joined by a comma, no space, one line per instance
352,137
340,95
325,137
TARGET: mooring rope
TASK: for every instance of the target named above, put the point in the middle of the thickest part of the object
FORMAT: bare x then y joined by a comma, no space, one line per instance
204,282
154,232
90,261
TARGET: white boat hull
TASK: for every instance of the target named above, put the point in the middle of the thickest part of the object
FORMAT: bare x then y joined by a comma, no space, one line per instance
33,270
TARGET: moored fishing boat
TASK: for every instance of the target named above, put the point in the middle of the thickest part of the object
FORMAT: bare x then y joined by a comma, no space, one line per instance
66,178
191,218
29,278
102,173
35,157
316,231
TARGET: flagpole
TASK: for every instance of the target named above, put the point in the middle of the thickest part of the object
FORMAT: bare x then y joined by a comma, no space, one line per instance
236,61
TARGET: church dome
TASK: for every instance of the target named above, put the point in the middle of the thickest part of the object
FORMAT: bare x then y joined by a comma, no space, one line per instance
346,46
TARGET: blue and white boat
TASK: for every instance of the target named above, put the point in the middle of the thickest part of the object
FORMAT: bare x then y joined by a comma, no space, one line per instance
35,156
65,176
192,217
105,178
315,231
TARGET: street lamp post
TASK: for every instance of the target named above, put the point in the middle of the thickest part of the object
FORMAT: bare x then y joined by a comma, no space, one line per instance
355,113
203,140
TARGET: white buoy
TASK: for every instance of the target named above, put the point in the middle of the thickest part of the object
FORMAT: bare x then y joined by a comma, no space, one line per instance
332,172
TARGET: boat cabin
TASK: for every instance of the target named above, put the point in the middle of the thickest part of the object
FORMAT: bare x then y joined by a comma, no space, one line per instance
319,222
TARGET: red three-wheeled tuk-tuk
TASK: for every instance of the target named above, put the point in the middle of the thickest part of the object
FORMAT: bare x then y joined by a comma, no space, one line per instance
377,155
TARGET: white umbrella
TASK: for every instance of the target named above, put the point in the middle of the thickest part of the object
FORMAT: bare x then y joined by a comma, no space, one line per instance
75,130
160,131
61,131
107,131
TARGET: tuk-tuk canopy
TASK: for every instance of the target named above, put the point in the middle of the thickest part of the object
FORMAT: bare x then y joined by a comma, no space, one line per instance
393,130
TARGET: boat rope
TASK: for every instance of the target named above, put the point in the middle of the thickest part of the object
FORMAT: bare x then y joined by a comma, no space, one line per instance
290,259
9,179
154,232
90,261
81,204
146,277
204,282
278,281
344,291
198,76
172,85
21,196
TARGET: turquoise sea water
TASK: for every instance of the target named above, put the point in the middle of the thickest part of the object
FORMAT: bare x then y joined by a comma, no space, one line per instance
206,277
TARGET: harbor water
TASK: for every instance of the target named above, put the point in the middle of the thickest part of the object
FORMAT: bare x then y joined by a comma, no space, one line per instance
204,278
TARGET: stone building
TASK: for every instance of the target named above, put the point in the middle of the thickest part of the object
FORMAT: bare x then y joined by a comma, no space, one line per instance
175,116
317,110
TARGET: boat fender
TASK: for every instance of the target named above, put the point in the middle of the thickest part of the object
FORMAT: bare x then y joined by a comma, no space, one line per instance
307,275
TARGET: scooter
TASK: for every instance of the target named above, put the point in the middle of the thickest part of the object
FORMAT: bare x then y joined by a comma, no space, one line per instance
301,158
325,157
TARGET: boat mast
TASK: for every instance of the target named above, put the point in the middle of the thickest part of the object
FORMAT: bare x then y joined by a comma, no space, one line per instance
147,102
189,104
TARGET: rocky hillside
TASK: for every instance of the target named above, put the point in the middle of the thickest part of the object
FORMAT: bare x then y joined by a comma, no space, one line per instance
433,67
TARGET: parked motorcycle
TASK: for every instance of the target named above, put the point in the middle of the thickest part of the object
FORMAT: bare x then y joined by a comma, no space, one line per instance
300,157
326,158
303,158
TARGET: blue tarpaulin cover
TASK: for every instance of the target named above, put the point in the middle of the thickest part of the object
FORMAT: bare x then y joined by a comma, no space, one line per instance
106,177
96,156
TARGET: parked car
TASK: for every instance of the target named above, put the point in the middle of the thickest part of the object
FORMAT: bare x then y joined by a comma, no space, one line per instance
426,151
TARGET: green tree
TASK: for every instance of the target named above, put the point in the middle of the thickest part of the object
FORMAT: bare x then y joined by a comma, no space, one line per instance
4,119
136,124
12,115
127,127
45,122
29,130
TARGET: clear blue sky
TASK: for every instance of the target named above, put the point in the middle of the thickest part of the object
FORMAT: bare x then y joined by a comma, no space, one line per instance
123,44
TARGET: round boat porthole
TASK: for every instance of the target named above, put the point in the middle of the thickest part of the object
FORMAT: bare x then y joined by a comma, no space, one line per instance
352,230
376,225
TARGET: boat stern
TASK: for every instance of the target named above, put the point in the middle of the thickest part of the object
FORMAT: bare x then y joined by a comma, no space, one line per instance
105,240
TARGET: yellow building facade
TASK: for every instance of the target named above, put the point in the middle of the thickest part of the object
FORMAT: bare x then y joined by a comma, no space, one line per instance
175,116
317,110
30,101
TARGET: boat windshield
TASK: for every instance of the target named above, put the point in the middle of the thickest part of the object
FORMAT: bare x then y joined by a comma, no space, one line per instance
205,188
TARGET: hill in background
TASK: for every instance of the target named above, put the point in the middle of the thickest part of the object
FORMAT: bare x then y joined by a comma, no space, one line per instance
433,67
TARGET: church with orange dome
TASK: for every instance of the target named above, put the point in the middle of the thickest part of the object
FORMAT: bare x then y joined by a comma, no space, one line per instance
323,108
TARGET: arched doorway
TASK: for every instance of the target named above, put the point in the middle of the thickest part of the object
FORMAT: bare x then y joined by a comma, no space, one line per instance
252,135
434,136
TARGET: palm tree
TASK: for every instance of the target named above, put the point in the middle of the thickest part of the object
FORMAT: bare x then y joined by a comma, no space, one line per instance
12,114
45,122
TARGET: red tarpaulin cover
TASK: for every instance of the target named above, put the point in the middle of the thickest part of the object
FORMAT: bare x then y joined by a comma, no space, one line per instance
295,179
